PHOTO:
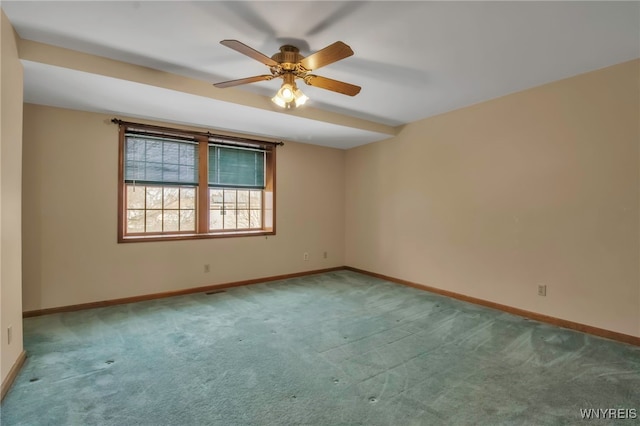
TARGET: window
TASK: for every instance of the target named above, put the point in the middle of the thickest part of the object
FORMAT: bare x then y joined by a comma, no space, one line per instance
177,185
236,179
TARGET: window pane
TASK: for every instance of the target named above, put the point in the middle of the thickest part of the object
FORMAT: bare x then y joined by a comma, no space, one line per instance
243,199
187,220
135,197
256,199
171,220
135,220
187,198
154,220
229,219
215,198
230,198
242,219
154,197
171,198
231,208
255,217
215,220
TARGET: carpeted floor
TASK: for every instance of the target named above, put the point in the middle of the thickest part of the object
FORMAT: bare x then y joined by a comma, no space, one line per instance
332,349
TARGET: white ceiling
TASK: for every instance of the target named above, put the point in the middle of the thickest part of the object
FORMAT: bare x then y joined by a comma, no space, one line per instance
412,59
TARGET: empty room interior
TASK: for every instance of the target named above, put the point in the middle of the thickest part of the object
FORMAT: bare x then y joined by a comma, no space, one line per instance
320,213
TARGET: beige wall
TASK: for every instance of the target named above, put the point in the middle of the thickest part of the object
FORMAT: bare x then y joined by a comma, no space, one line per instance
70,204
538,187
10,204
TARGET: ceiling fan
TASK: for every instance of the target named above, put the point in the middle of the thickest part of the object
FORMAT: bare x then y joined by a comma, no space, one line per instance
290,65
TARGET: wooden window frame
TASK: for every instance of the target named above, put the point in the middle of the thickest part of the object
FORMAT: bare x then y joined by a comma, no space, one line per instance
203,139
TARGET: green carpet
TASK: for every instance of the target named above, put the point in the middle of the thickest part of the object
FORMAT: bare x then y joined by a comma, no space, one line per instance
338,348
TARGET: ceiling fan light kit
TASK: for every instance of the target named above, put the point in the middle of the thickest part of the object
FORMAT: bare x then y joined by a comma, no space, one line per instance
290,65
289,95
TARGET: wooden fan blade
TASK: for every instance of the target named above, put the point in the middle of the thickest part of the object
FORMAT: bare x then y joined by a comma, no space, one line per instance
333,85
326,56
240,81
246,50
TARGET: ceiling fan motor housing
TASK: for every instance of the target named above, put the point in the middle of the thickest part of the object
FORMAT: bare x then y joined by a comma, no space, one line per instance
288,57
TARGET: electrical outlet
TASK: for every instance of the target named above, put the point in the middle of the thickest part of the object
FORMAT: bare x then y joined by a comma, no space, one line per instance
207,268
9,334
325,255
542,290
305,256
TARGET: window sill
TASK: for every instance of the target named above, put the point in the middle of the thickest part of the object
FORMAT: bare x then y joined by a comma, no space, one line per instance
181,237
